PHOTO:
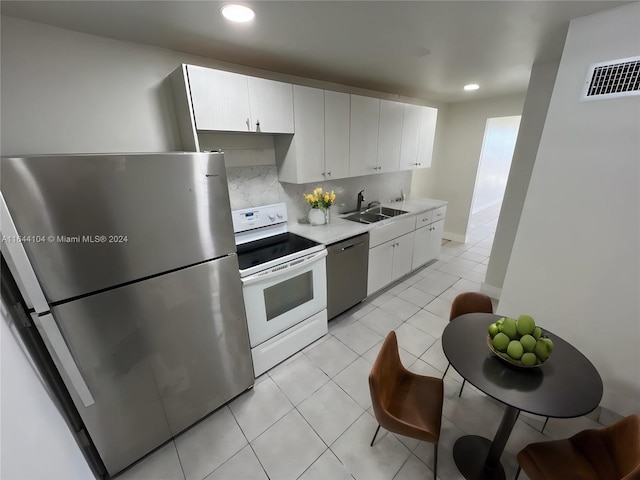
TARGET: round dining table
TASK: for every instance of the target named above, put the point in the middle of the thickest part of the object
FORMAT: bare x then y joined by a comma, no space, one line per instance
567,385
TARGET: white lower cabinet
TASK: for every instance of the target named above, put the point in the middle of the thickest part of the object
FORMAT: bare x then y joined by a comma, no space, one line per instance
380,265
402,255
421,247
389,261
406,244
390,252
435,239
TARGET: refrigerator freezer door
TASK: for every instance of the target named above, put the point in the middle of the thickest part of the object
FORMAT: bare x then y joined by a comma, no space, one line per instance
157,356
94,222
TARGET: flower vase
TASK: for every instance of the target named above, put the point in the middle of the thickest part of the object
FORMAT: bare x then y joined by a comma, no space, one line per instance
327,215
316,216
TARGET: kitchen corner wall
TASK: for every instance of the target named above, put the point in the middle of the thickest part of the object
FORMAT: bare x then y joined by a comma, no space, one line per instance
575,264
252,174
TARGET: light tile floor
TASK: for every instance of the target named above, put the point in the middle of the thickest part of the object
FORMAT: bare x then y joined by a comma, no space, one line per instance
310,418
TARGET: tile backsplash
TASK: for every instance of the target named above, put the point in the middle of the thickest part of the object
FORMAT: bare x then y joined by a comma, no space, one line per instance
252,175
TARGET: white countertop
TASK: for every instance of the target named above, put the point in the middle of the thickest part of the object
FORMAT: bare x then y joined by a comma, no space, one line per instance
341,229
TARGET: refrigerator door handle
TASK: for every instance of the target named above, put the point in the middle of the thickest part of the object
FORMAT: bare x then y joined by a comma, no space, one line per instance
49,329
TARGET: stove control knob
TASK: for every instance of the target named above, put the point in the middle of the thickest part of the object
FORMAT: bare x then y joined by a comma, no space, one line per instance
272,216
279,214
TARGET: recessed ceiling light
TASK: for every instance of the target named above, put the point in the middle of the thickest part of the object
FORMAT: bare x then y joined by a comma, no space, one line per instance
472,86
237,13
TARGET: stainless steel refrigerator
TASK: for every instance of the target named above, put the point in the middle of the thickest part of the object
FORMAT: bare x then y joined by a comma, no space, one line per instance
128,266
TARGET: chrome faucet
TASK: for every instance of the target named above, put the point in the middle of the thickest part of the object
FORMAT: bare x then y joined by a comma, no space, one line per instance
360,199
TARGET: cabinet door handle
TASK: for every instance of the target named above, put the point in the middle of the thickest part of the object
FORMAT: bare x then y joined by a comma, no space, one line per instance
329,173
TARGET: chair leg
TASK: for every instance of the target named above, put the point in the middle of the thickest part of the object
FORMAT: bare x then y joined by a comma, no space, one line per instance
463,382
435,461
545,424
518,472
374,436
445,371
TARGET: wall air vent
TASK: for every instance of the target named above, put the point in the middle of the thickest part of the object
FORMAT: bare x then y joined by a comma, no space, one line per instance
616,78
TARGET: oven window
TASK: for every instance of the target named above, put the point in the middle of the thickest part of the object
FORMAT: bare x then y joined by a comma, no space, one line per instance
287,295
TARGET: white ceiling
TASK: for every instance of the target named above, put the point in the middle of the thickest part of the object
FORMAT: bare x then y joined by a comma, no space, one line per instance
423,49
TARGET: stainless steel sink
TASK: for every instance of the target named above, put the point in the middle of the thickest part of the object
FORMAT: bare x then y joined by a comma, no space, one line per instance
365,217
375,214
388,212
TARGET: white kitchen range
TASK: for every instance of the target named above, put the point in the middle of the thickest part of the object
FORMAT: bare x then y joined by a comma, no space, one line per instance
284,285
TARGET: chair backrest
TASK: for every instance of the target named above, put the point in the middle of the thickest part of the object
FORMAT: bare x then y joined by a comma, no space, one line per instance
470,302
385,374
623,444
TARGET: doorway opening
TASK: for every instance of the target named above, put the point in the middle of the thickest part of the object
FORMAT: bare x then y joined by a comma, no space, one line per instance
499,142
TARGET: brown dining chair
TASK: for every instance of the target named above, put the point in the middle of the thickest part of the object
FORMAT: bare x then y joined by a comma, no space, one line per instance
469,302
611,452
404,402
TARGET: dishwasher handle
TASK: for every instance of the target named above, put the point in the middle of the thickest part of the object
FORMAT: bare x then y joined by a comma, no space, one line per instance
358,242
352,245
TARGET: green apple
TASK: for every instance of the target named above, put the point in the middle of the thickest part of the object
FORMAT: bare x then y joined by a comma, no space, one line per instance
500,342
515,350
525,325
494,329
543,349
528,343
509,328
529,359
537,333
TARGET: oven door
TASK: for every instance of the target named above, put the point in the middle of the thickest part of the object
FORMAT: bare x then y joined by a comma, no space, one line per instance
282,296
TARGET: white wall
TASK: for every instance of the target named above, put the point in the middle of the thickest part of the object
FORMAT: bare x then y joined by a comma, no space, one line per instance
36,442
455,167
534,114
495,161
69,92
575,264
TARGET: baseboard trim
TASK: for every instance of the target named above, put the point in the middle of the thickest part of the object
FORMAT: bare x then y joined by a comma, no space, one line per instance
492,291
455,237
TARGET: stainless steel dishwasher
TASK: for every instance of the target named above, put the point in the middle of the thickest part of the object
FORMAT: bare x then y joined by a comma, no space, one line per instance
347,270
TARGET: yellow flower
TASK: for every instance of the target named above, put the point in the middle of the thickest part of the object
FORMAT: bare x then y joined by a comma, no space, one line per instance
320,199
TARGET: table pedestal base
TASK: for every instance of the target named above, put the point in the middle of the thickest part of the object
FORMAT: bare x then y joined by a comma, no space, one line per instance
470,454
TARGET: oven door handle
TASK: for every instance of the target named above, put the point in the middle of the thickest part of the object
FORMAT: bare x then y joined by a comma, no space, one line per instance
292,266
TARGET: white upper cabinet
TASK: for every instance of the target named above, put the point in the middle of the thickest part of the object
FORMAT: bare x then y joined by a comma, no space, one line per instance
301,157
337,110
271,105
389,136
363,141
220,99
418,134
226,101
410,137
335,135
426,137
